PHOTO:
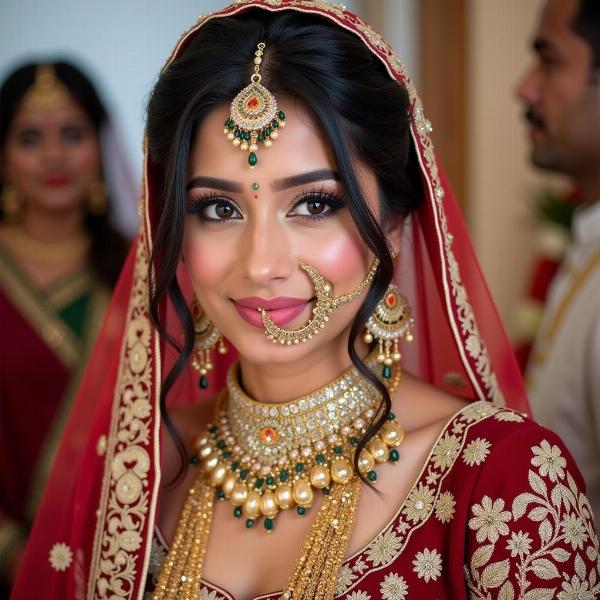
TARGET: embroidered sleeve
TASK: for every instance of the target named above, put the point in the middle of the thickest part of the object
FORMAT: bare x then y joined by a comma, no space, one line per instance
530,533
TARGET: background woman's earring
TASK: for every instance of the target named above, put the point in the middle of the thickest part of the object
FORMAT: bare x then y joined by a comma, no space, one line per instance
207,337
12,204
390,321
98,201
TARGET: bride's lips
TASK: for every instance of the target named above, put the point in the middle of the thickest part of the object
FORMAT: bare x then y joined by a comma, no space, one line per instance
282,310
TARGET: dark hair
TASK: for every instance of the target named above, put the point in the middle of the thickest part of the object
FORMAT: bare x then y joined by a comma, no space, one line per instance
109,248
586,24
363,112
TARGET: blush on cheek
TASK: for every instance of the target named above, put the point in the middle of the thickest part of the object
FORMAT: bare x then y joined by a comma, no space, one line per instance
205,266
344,262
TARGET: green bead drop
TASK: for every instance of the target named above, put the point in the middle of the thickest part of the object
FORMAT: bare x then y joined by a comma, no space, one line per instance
283,476
326,490
281,115
268,523
194,459
301,510
249,523
203,382
372,476
237,512
394,455
387,372
252,160
391,416
221,495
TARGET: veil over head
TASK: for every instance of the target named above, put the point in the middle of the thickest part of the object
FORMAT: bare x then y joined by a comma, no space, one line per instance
92,536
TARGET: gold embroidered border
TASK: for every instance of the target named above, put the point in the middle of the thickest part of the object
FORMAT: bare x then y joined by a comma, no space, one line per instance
67,291
124,502
436,467
50,328
97,308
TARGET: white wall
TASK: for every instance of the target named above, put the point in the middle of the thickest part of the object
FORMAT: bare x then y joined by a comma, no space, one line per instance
123,44
501,182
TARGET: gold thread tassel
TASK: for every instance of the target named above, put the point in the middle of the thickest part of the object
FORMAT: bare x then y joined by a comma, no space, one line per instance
316,571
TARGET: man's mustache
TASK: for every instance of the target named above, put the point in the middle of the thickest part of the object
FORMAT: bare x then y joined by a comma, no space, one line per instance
535,119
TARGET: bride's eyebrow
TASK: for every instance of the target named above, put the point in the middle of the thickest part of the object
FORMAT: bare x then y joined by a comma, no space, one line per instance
226,185
215,183
304,178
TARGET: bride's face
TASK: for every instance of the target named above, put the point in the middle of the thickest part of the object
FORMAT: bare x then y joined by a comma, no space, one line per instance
248,230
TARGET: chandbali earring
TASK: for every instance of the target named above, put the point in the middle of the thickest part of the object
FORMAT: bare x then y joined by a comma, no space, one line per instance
12,204
325,307
390,321
98,201
207,337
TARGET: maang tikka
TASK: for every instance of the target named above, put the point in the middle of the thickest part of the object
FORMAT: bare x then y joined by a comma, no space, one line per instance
390,321
254,115
206,338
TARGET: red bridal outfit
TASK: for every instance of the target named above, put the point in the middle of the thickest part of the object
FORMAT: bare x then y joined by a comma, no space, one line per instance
498,510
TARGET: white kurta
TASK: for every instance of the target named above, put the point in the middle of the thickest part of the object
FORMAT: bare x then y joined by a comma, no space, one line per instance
564,382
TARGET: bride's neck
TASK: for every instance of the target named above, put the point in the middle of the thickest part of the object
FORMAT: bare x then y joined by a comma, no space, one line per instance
276,383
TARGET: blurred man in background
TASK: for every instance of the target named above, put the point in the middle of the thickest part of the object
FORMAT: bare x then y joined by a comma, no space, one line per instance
561,96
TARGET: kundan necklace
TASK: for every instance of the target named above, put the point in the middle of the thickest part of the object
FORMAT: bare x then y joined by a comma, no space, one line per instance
267,458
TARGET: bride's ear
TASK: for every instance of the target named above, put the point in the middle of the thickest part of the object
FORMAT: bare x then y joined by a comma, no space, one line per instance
393,233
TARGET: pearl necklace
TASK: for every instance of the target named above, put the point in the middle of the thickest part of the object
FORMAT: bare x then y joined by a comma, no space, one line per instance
265,458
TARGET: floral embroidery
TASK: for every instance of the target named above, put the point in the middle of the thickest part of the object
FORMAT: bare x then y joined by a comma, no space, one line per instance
358,596
476,452
157,557
564,532
489,520
206,594
549,460
519,544
509,415
428,565
575,589
574,531
384,548
444,507
345,579
446,451
478,410
60,557
393,587
419,503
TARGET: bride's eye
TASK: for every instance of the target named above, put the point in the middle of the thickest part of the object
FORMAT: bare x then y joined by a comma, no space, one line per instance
215,209
316,206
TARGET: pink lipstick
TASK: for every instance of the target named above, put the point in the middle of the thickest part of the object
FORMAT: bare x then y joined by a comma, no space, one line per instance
282,309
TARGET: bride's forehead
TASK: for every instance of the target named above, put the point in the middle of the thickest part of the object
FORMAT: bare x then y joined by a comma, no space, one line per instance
300,146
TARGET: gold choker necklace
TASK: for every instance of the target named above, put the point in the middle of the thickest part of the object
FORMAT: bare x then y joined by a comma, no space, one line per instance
266,458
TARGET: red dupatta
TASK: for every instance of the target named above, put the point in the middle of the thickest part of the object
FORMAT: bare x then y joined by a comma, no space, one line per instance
93,533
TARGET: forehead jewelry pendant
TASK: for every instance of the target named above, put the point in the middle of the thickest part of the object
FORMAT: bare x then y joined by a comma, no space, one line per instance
254,117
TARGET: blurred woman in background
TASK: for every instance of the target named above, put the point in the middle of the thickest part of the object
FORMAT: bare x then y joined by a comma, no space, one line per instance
60,256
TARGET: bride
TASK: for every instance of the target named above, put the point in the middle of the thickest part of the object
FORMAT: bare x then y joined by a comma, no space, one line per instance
359,428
